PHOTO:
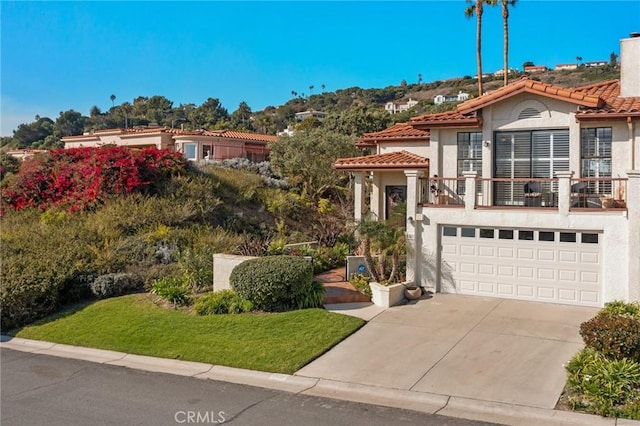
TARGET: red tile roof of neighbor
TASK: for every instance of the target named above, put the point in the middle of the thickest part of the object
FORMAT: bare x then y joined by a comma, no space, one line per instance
230,134
389,161
400,132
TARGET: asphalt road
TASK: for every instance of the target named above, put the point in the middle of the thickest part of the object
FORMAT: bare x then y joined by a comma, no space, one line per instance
45,390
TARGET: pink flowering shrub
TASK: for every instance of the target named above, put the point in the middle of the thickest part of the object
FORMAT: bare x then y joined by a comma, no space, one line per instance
81,178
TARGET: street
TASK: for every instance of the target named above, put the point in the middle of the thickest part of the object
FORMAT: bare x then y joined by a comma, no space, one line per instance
40,389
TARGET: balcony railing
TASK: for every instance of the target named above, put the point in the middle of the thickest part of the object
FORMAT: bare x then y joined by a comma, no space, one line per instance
504,192
442,191
598,193
535,193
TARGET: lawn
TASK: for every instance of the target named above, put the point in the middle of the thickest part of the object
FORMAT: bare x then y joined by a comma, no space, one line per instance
279,343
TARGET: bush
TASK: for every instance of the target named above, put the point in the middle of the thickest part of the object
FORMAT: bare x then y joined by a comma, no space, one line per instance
614,336
618,307
603,386
274,283
171,289
361,283
222,302
112,285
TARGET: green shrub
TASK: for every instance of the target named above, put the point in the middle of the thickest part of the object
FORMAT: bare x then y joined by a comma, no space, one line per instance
603,386
614,336
112,285
222,302
361,283
171,289
618,307
273,283
311,297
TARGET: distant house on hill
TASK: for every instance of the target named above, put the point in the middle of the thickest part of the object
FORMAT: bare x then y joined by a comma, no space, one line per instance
461,96
593,64
560,67
310,113
397,107
195,145
535,68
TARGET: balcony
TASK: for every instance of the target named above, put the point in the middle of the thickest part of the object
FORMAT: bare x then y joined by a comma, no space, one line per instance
574,194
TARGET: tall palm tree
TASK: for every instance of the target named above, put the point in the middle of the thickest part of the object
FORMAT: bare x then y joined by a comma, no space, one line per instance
476,8
505,20
113,98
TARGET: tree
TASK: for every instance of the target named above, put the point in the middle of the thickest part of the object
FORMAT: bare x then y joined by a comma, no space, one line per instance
476,8
419,78
158,108
32,135
613,59
505,21
126,109
69,123
358,120
208,114
578,59
113,98
310,90
323,87
290,157
240,117
527,64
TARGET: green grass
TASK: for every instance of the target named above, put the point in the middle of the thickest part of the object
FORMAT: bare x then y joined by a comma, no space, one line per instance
279,343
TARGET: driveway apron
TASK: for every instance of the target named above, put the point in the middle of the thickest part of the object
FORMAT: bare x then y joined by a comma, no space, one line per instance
488,349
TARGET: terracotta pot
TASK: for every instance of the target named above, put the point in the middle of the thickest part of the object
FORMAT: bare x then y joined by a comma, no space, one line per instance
413,292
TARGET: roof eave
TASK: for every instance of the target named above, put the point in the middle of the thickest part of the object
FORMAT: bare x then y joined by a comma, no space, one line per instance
607,116
459,123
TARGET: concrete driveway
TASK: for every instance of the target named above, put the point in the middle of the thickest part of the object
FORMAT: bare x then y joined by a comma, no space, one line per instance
486,349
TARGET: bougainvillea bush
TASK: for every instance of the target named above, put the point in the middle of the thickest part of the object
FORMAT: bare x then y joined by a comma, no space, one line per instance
81,178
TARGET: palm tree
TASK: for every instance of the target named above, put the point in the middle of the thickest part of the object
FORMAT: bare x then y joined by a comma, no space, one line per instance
419,78
310,90
475,8
505,21
113,98
323,86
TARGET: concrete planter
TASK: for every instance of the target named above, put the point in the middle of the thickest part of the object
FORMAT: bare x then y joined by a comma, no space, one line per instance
386,295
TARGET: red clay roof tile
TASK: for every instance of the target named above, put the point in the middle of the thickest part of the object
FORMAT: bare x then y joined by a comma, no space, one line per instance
400,132
614,104
388,161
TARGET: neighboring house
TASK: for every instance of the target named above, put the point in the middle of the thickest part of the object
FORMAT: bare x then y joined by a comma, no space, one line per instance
500,72
196,145
397,107
439,99
535,68
531,192
310,113
289,131
560,67
593,64
24,153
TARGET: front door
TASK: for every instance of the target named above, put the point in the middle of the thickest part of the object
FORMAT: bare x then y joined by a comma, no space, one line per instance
395,194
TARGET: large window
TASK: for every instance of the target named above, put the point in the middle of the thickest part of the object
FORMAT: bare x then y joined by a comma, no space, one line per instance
596,152
528,154
190,151
469,155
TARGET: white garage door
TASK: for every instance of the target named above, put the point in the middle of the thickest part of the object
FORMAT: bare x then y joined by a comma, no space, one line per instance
527,264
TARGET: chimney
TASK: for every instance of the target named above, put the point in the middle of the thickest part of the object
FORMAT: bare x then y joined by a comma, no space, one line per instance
630,66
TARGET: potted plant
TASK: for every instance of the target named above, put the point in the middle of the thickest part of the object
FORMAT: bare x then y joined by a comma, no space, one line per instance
383,246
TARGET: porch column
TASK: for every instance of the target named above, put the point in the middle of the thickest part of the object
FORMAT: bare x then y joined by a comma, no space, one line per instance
376,196
358,196
470,190
564,192
412,222
633,217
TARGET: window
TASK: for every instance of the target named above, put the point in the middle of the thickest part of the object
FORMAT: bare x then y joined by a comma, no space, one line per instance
589,238
527,154
448,231
568,237
206,151
505,234
486,233
546,236
190,151
468,232
596,157
525,235
469,156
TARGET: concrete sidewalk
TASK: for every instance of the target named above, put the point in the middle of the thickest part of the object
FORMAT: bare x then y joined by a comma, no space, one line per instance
482,359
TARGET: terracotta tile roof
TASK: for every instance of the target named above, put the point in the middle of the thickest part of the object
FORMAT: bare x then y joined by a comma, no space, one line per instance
614,104
447,119
230,134
526,85
400,132
388,161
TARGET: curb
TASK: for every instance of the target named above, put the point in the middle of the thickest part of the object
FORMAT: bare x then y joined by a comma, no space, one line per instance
424,402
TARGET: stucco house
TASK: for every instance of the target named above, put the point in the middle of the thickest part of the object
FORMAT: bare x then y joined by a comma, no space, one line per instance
529,192
196,145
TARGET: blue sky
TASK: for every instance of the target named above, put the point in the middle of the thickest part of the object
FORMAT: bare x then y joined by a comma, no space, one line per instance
57,56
